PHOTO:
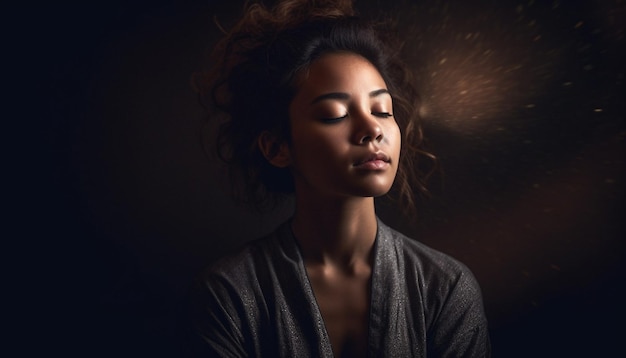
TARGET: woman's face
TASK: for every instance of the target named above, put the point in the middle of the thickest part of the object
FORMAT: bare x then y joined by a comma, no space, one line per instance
345,140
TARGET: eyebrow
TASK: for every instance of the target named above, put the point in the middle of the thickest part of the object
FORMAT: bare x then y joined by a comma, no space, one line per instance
342,96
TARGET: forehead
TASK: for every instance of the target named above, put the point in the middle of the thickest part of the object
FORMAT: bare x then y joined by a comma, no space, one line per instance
339,72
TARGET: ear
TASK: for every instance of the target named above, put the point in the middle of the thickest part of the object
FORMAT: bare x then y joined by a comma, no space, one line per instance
274,150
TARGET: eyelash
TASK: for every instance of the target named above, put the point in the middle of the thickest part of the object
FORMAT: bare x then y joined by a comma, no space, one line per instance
338,119
382,114
334,120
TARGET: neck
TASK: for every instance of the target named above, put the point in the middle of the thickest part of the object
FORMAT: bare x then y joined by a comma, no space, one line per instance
335,231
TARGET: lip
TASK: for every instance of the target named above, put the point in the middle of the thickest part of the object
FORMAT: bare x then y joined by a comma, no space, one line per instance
373,161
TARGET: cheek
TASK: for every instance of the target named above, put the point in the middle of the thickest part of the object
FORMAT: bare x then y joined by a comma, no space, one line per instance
394,137
315,145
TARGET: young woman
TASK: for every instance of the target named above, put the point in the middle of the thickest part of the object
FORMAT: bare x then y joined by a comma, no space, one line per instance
317,104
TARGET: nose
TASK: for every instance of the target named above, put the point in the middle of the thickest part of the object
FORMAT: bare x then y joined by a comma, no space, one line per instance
367,129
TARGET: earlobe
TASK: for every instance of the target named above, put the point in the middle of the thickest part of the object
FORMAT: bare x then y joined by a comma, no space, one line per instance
276,152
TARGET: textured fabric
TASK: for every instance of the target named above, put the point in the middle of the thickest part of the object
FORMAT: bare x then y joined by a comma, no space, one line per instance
259,302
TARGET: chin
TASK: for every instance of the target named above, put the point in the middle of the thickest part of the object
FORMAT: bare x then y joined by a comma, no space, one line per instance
372,190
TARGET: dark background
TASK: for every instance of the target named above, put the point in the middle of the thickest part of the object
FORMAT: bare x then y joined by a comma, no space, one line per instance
523,104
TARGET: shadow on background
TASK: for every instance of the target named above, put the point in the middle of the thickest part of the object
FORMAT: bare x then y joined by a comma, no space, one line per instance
523,103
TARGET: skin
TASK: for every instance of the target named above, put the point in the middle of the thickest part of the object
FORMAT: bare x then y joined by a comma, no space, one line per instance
340,115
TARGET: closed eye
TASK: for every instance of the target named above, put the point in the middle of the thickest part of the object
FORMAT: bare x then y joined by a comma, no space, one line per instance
382,114
334,120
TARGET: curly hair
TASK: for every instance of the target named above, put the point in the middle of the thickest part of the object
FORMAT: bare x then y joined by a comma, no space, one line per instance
252,81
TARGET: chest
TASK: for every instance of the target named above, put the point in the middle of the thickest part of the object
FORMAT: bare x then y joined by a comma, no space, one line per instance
344,302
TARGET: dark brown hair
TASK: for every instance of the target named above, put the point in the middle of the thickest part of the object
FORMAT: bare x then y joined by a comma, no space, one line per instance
252,82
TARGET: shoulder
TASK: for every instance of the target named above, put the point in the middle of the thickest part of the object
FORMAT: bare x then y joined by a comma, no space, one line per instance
452,298
257,265
227,296
433,264
443,282
241,267
223,304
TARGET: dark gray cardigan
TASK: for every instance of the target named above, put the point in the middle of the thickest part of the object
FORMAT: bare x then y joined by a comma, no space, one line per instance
259,302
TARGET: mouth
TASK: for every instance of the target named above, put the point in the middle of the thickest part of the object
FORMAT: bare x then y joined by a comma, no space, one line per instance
373,161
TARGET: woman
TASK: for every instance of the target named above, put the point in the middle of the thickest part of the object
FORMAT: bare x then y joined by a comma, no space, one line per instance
313,100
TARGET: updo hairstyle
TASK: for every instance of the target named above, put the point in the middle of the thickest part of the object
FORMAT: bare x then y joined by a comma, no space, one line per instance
252,80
